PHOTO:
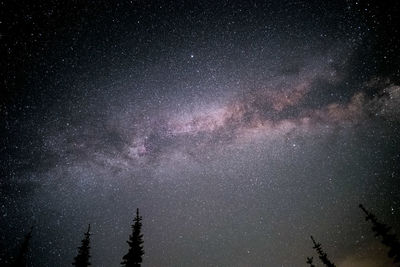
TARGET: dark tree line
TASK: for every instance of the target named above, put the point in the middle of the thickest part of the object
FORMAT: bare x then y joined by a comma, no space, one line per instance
134,256
381,230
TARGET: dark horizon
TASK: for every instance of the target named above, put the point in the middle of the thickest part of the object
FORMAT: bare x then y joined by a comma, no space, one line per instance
238,128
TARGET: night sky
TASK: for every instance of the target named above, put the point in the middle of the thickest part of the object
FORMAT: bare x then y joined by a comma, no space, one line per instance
239,128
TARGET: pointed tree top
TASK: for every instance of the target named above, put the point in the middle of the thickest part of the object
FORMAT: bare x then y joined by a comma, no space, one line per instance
82,259
313,240
363,208
134,257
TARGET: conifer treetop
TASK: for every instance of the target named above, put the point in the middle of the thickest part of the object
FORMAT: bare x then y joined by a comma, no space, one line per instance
82,259
135,253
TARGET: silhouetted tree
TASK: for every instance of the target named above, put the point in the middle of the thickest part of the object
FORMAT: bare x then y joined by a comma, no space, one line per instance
134,256
20,260
82,259
322,255
310,261
383,230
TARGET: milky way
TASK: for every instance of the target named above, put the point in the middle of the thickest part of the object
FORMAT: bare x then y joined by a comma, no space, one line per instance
239,130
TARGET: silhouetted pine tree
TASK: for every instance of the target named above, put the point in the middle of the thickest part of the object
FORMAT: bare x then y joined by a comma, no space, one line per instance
310,261
82,259
383,230
20,260
322,255
134,256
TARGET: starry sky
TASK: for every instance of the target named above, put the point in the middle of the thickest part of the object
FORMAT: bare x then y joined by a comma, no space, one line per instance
239,128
